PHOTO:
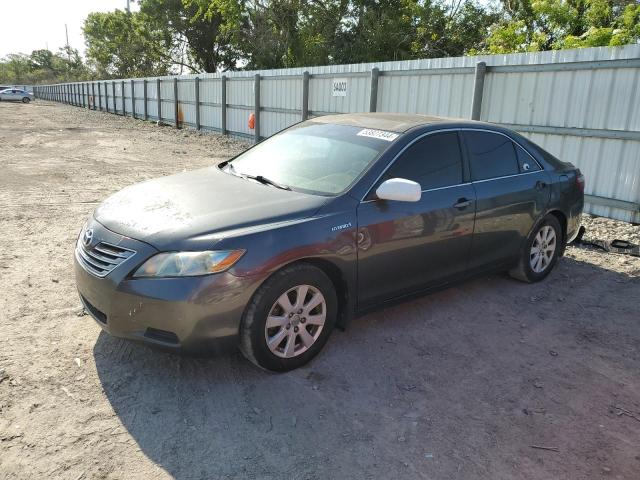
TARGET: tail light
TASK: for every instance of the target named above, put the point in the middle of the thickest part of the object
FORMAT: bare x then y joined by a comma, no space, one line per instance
580,180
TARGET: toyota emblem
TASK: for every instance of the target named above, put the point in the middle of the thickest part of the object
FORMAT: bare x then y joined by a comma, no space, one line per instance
87,237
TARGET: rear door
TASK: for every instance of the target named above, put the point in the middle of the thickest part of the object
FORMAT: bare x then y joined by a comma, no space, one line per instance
405,246
512,191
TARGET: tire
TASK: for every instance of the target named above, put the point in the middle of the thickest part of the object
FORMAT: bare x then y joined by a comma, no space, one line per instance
534,267
289,350
26,99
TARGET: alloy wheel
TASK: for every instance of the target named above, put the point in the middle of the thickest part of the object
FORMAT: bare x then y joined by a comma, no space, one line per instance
295,321
543,249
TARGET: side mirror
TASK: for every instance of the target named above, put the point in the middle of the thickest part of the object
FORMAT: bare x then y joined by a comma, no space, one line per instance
400,190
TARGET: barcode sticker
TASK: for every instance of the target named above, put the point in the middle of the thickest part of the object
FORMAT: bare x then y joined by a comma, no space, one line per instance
381,134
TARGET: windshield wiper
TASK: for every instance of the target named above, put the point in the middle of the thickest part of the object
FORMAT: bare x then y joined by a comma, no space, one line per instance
232,170
266,181
259,178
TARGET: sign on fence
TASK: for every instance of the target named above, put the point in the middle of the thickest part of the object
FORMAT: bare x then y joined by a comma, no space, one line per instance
339,87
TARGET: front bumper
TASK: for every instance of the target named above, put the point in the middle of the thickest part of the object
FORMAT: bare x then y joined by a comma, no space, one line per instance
189,313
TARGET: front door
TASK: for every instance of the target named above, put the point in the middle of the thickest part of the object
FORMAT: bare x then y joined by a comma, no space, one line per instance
404,247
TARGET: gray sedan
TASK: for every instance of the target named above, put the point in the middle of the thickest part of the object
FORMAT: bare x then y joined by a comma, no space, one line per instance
326,220
15,95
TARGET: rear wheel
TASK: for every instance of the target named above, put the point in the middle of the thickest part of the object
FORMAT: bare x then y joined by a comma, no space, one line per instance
289,319
540,252
26,99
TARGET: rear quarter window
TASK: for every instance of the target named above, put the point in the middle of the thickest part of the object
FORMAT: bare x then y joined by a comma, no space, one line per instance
525,161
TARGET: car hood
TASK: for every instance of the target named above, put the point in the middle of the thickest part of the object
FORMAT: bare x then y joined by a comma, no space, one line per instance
193,209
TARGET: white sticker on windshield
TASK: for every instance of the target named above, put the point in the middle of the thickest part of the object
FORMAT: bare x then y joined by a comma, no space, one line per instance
381,134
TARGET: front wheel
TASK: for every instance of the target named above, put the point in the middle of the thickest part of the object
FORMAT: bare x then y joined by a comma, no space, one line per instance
26,99
289,318
540,252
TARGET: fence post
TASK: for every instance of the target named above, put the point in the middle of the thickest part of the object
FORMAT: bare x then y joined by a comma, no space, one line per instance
256,88
197,97
159,97
478,90
133,99
175,101
106,96
124,106
113,91
99,96
373,97
77,94
83,100
305,96
144,96
223,104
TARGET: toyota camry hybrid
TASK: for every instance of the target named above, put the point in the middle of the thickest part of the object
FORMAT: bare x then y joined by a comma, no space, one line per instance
321,222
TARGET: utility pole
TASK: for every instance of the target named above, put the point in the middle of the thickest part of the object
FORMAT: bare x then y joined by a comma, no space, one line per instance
128,6
66,32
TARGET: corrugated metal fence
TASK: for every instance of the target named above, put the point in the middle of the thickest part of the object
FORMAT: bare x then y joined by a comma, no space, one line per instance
581,105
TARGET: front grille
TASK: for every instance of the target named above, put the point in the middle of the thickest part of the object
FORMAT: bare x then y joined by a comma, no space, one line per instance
102,258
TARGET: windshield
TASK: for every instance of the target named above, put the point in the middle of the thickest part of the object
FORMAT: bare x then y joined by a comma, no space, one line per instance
316,158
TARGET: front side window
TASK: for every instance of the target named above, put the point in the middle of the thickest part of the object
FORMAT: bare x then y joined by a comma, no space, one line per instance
433,161
315,158
491,155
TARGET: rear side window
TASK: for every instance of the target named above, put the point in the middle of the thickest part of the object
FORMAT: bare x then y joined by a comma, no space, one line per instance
491,155
433,161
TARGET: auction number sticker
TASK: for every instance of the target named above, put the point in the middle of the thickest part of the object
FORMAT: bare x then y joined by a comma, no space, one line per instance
339,87
381,134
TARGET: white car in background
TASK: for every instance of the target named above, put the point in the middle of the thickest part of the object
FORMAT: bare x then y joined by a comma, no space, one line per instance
15,95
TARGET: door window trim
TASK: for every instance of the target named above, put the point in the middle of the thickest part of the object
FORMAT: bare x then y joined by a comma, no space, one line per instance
465,159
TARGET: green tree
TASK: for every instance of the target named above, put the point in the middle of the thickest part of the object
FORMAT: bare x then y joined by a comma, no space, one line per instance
122,44
198,33
532,25
43,66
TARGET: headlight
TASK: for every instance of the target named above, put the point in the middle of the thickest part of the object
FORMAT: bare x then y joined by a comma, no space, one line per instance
188,264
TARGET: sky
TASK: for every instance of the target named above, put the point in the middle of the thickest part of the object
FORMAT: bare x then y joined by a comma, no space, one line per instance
43,23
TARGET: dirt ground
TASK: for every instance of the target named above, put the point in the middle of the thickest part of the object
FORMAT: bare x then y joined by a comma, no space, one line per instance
462,384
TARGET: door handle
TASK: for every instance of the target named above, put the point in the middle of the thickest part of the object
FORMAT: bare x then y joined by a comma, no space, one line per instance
462,203
540,185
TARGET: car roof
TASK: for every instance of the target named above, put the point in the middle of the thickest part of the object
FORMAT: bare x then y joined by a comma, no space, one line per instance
393,122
